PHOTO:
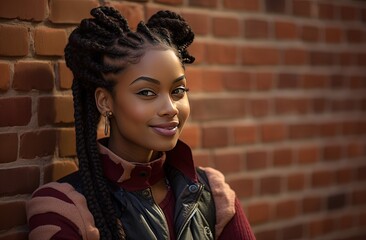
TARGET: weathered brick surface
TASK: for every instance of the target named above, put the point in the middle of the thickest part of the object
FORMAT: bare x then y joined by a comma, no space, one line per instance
34,10
33,75
14,40
66,11
49,42
15,111
277,95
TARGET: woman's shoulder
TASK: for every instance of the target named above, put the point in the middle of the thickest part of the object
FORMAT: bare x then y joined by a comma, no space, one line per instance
58,208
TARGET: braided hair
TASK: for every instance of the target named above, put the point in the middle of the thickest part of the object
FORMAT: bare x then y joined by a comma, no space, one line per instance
108,36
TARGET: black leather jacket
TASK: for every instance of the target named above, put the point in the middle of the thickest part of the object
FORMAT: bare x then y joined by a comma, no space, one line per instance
142,218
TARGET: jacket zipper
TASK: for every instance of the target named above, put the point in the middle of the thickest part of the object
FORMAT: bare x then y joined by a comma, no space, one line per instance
191,214
161,213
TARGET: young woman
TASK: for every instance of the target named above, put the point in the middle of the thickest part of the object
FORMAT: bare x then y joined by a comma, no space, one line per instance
140,182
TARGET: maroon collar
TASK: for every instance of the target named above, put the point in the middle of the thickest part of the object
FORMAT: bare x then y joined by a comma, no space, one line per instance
137,176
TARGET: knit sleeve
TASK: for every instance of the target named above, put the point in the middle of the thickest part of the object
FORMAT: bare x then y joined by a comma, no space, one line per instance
58,211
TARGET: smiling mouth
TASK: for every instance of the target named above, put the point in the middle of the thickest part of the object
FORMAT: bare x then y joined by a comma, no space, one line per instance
166,131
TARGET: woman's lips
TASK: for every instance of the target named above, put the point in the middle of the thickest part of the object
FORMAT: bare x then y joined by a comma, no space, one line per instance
166,129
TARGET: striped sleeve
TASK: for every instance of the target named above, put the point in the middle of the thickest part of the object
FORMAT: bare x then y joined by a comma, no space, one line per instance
58,211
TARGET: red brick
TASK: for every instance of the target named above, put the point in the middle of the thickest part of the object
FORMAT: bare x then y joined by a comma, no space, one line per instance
256,29
286,105
66,11
27,10
228,162
361,59
351,127
359,197
199,22
338,81
326,11
344,175
338,105
198,51
330,129
13,214
259,107
245,134
355,35
55,110
15,111
203,3
293,231
267,234
295,56
313,81
356,82
333,35
278,6
59,169
336,201
259,212
356,149
252,5
219,53
360,173
282,157
256,159
310,33
302,8
225,27
264,81
308,154
134,13
8,147
271,132
322,178
319,104
332,152
346,221
49,41
170,2
349,13
67,143
192,135
212,82
65,76
195,78
237,80
4,76
296,182
37,144
321,227
312,204
347,58
24,180
217,108
286,30
321,58
286,209
303,130
243,187
33,75
287,81
203,159
270,185
14,41
214,137
252,55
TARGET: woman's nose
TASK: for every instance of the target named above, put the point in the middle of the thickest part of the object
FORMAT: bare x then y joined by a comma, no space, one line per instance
168,107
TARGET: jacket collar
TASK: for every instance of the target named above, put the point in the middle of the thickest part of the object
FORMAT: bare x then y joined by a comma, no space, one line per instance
136,176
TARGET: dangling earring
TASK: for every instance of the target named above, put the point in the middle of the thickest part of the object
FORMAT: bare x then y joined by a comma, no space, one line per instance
108,114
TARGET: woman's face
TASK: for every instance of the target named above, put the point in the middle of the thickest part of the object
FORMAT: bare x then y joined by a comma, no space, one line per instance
150,104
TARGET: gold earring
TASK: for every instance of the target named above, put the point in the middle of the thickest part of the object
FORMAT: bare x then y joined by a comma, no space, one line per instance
108,114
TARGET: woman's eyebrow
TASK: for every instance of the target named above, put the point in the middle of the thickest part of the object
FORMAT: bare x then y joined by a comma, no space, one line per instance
155,81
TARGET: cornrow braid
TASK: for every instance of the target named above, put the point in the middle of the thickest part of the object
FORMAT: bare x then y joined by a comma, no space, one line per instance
101,45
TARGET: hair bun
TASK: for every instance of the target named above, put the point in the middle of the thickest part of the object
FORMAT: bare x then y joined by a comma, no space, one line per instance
180,33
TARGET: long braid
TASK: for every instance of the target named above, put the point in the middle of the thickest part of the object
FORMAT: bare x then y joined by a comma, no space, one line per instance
108,35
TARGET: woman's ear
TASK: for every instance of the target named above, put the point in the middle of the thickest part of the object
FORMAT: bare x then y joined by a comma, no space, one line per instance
103,100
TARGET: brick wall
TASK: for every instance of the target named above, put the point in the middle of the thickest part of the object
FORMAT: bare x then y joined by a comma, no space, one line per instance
278,98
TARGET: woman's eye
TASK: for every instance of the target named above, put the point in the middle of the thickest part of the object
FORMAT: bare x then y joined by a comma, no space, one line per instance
180,90
146,93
